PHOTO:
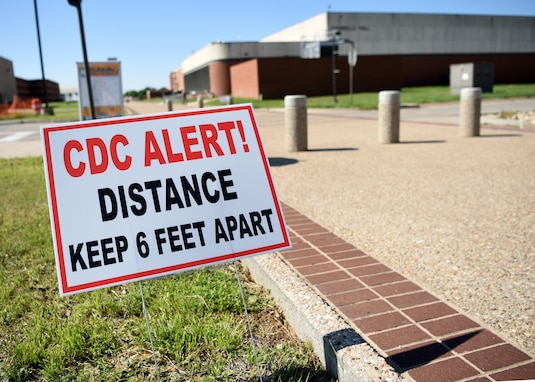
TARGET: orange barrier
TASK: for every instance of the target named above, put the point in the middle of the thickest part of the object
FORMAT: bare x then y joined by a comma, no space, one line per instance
19,106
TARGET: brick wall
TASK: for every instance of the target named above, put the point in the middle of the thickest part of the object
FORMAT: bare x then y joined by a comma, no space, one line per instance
277,77
244,79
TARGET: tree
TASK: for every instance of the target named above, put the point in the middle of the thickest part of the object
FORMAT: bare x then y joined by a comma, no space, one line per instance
142,94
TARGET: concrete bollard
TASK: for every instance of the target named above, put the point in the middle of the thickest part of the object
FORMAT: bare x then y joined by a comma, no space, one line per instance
200,102
296,122
389,104
169,103
470,112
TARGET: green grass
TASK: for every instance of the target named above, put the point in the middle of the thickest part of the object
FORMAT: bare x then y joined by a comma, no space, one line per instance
197,318
63,111
415,95
366,101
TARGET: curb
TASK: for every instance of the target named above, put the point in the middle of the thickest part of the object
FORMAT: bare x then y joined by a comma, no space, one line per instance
345,355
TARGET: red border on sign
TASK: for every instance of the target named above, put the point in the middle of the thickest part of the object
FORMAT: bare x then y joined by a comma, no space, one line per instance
67,289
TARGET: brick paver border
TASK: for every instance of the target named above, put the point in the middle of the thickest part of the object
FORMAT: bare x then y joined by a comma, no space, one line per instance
417,333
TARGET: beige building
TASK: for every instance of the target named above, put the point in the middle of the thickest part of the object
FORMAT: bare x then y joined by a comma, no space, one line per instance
394,51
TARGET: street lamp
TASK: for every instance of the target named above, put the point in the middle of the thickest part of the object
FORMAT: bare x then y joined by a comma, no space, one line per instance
78,5
352,61
334,49
336,41
46,109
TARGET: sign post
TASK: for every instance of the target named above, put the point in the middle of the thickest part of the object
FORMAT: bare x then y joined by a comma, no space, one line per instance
139,197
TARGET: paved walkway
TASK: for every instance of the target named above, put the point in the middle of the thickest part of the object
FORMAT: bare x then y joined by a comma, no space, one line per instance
406,319
414,330
422,336
411,246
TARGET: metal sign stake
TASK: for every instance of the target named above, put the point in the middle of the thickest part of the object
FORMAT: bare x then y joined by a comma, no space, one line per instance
148,329
248,321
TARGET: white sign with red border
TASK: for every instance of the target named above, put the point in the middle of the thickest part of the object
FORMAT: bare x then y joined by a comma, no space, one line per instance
139,197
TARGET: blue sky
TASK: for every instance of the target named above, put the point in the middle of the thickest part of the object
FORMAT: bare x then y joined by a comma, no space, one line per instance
152,37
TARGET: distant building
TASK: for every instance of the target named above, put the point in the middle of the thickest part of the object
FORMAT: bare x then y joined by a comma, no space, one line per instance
8,85
11,86
27,89
70,94
394,51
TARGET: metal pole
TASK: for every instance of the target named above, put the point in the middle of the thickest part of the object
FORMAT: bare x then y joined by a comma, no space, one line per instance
248,322
352,61
86,64
350,85
146,314
45,98
334,71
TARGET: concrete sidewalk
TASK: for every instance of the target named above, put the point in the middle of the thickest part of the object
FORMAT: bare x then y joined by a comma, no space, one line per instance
410,261
424,248
433,238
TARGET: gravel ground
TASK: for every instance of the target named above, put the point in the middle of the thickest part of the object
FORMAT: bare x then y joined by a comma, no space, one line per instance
456,215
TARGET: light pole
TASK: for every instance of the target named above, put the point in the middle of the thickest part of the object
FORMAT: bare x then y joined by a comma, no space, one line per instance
334,46
352,61
46,109
336,40
78,5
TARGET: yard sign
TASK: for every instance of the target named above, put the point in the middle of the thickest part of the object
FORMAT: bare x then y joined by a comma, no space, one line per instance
138,197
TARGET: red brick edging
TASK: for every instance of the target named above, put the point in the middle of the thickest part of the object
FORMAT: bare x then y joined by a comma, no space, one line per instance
417,333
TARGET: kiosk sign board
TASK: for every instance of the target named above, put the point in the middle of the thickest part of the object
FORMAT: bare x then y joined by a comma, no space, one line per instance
139,197
106,87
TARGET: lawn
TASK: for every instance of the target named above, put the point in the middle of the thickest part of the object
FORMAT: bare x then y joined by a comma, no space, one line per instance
366,100
197,319
415,95
63,111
